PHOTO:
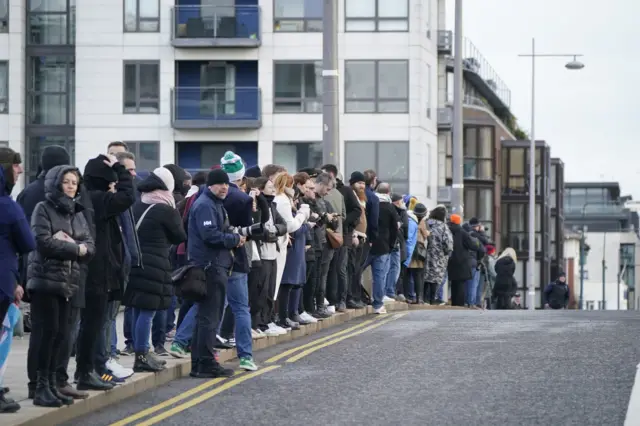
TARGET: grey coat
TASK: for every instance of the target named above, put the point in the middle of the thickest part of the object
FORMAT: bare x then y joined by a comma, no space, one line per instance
439,249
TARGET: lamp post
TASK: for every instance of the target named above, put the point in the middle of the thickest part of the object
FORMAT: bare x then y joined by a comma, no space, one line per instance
572,65
457,184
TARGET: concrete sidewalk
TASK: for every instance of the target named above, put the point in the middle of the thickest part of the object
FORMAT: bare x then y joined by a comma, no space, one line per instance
16,377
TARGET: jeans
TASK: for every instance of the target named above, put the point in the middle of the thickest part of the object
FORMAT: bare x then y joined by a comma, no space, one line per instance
392,274
142,319
238,299
103,345
440,292
185,331
208,317
128,326
171,314
480,289
471,287
184,309
379,268
159,329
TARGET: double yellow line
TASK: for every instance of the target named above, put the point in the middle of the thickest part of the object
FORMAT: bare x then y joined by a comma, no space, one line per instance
302,351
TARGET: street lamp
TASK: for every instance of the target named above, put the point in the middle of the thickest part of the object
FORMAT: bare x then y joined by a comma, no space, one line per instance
572,65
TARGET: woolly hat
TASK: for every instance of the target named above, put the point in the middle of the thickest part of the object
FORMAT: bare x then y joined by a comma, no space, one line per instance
420,210
232,164
455,219
54,155
253,172
166,177
395,197
217,177
356,177
474,221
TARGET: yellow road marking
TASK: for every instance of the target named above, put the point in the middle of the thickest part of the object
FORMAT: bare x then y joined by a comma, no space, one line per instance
340,339
205,396
169,402
315,342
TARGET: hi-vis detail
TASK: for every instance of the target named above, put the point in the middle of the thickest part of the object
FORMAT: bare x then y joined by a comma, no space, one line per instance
207,223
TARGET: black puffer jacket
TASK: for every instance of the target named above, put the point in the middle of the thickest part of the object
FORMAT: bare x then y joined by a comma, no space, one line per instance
505,284
54,268
150,287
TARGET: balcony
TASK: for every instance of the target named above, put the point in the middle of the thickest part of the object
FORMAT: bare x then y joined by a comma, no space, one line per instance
216,26
216,108
445,118
445,42
596,210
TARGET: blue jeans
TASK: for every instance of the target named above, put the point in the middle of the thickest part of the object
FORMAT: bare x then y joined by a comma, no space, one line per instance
379,268
114,339
238,300
141,330
159,329
128,326
103,345
440,293
480,289
185,331
171,314
393,274
472,288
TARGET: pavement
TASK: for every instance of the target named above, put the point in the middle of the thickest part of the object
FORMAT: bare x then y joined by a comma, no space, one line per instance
417,367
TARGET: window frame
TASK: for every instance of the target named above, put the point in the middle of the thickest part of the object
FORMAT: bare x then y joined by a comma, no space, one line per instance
69,24
376,19
5,29
475,159
509,179
68,93
295,143
476,193
140,19
304,101
5,110
376,100
304,20
137,64
376,165
134,148
33,152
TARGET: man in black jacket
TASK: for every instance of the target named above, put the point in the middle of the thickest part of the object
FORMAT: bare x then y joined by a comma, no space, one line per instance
111,192
388,228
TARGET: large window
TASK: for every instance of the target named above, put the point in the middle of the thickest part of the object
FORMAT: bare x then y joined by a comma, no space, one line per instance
142,16
4,16
478,203
297,16
553,178
297,155
51,22
51,90
142,87
514,171
4,87
478,153
390,160
377,15
376,86
147,154
627,264
36,144
297,87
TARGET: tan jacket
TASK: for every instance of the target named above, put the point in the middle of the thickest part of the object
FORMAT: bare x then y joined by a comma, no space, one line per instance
423,234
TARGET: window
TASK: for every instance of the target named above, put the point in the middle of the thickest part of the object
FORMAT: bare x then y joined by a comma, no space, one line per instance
298,87
428,91
50,23
478,153
147,155
142,87
141,16
4,144
297,155
4,86
297,16
218,89
377,86
478,203
390,160
4,16
514,173
516,217
376,15
35,146
51,90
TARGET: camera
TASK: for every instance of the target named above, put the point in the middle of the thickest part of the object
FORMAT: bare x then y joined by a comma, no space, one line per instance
247,231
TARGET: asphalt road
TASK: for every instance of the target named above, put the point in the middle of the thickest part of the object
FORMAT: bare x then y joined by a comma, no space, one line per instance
426,367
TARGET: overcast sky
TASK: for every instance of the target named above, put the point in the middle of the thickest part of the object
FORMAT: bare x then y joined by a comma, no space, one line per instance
587,116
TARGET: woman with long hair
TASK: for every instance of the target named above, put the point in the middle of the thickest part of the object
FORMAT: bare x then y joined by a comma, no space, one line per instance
505,286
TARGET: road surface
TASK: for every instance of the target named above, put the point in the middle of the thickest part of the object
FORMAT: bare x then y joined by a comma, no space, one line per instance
421,367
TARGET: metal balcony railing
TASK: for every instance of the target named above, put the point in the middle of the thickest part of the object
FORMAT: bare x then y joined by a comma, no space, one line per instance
593,209
195,25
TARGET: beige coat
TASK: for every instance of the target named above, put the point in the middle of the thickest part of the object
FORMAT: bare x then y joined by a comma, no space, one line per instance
423,234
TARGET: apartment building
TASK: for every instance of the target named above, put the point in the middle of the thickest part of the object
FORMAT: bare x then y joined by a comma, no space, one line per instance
183,81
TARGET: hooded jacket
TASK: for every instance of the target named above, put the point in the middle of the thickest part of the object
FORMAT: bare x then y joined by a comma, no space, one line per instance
15,239
352,211
556,295
388,228
506,284
54,267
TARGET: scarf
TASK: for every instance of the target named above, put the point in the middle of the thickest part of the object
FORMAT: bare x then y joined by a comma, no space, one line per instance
384,198
159,196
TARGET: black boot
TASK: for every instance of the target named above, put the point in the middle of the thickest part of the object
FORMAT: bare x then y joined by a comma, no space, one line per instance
43,396
211,369
144,363
66,400
91,381
419,292
7,405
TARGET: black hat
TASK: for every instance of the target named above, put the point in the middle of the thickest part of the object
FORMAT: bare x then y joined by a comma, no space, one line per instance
53,156
217,177
356,177
395,197
474,221
562,274
420,209
97,175
253,172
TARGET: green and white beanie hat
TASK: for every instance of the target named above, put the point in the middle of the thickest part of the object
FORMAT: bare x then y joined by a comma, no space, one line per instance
232,164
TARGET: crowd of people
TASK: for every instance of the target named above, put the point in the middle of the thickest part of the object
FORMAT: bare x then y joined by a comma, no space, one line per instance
241,252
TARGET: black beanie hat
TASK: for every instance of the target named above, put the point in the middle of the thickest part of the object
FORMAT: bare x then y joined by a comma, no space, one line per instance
217,177
97,175
253,172
53,156
356,177
474,221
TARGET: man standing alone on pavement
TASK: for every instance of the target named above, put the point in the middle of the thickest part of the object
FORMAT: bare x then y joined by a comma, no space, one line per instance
556,294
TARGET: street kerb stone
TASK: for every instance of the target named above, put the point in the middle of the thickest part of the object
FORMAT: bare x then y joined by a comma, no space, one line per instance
31,415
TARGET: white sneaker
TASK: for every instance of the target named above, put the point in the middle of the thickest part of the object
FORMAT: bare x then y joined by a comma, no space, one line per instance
306,317
387,299
380,310
326,302
272,332
118,370
331,309
278,329
257,334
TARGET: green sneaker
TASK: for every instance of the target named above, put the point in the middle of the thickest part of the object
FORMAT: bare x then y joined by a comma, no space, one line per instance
178,351
248,364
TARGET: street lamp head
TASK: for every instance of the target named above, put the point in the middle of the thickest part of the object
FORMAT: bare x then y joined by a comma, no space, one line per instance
574,65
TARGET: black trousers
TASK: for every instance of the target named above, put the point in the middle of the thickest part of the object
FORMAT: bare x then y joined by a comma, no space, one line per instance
262,301
430,291
339,277
354,269
49,331
457,293
323,276
209,316
91,329
418,282
309,289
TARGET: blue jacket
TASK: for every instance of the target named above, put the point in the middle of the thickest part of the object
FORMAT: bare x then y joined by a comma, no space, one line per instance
412,239
295,269
209,241
16,239
239,207
556,295
372,213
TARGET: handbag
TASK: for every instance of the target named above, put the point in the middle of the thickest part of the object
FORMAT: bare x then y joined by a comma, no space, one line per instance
335,239
421,252
190,282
